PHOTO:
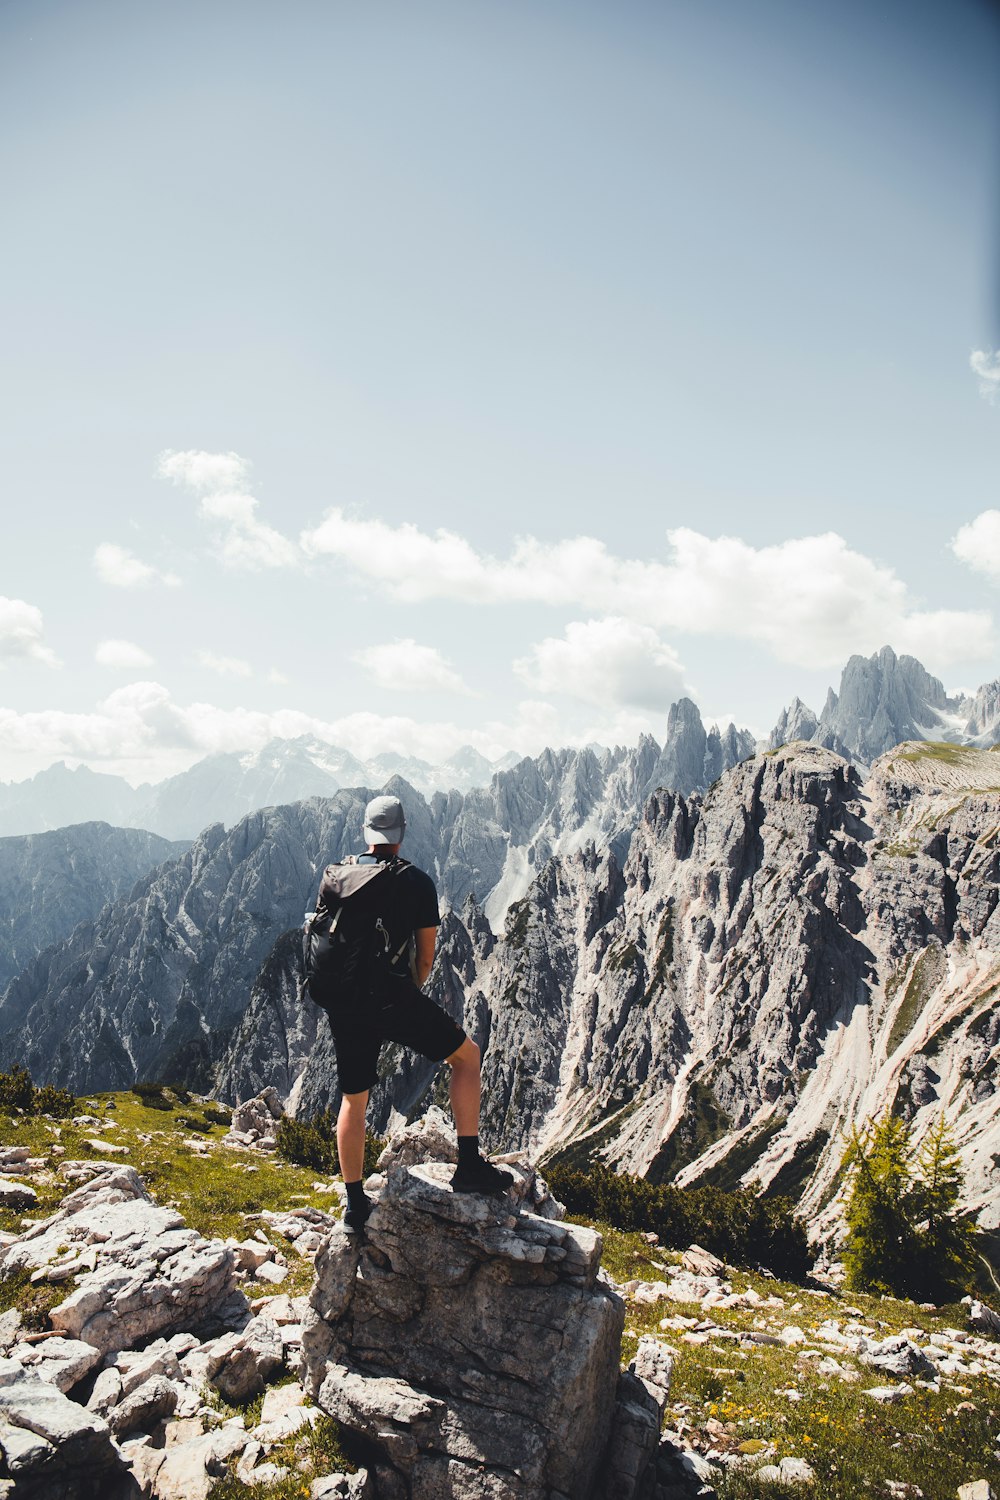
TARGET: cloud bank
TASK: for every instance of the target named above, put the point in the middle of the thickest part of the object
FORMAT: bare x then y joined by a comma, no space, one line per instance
405,667
985,365
21,632
610,661
139,731
123,570
811,600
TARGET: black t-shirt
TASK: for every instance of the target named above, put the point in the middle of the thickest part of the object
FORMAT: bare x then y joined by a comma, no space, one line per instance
407,901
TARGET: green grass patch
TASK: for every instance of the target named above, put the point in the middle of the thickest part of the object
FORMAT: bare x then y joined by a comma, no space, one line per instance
316,1450
727,1173
215,1192
703,1123
34,1300
926,975
942,750
731,1397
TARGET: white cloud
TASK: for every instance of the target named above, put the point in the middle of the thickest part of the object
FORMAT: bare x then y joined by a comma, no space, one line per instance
209,472
124,654
140,732
812,600
225,666
241,539
612,662
21,631
123,570
985,363
405,667
978,544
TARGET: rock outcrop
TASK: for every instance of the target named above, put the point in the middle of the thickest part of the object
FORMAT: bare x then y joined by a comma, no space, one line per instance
474,1346
773,962
137,1271
885,700
109,1401
175,978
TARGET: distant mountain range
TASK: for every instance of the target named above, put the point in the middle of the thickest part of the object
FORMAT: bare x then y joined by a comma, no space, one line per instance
883,700
223,788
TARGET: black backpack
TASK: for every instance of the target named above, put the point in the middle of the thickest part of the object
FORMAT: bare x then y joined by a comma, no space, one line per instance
345,944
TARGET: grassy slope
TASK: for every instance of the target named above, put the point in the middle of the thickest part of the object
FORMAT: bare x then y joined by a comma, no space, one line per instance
728,1400
723,1398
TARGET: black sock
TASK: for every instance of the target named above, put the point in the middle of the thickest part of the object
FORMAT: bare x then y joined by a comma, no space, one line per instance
468,1150
356,1195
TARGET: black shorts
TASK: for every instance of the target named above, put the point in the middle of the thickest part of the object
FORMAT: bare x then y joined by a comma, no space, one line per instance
402,1013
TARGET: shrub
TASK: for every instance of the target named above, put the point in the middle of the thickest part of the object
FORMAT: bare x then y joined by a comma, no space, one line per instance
49,1100
905,1235
313,1143
309,1143
738,1226
17,1092
152,1096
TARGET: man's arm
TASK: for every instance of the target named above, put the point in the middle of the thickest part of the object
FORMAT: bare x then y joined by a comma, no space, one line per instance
425,939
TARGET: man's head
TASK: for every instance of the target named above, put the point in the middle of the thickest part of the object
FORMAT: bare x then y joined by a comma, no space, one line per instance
384,821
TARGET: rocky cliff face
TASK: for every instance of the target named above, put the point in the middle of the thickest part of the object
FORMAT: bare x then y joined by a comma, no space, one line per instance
161,980
49,882
885,700
471,1343
155,984
795,951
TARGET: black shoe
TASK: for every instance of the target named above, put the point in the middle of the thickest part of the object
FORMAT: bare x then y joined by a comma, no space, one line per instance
481,1177
356,1218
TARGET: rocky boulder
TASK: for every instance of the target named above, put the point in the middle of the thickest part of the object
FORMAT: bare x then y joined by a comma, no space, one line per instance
473,1346
138,1271
52,1448
255,1121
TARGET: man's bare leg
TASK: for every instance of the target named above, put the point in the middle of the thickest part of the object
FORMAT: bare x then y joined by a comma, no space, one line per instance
351,1151
465,1087
473,1174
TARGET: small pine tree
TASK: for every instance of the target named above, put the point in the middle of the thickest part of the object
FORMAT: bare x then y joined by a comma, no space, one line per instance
905,1235
946,1249
881,1212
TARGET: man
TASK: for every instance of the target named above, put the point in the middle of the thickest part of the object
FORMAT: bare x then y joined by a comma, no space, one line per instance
395,1009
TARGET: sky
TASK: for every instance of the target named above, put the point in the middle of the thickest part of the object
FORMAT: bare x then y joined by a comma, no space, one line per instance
487,372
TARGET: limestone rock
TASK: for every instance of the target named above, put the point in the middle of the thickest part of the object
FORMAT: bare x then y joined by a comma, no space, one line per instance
342,1487
51,1445
61,1362
150,1273
788,1471
239,1364
984,1319
17,1194
445,1294
898,1356
148,1404
256,1120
